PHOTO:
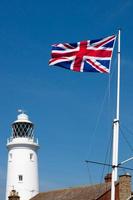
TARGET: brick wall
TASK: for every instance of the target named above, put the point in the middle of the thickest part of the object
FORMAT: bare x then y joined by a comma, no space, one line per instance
107,195
124,187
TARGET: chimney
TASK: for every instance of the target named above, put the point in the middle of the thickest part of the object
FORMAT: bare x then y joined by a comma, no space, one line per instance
13,195
124,186
108,178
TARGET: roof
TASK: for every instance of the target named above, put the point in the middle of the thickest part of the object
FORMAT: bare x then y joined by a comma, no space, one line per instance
85,193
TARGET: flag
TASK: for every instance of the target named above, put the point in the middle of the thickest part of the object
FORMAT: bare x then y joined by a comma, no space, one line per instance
84,56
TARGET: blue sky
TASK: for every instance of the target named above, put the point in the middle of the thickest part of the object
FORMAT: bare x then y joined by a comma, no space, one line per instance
71,111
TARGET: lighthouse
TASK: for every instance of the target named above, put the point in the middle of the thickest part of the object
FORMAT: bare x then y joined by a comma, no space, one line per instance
22,166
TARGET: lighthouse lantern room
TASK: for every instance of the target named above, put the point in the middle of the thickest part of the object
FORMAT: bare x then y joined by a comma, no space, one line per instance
22,167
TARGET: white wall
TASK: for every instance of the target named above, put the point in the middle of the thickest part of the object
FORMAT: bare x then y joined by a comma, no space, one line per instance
22,160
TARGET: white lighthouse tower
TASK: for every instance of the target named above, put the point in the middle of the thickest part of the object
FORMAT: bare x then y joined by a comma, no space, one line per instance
22,169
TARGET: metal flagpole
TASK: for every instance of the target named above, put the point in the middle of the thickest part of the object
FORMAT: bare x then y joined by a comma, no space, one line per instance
116,128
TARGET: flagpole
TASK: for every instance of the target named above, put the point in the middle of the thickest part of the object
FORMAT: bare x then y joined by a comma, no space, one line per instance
116,129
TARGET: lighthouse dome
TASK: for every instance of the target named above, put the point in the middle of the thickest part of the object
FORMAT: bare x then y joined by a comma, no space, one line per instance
22,127
23,117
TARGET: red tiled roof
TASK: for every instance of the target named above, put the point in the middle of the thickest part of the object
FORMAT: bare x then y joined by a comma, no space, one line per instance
80,193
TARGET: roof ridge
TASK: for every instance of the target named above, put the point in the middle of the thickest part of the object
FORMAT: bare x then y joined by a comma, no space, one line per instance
75,187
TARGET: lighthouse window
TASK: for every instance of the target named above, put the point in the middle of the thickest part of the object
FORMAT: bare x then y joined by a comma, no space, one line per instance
31,156
10,157
20,177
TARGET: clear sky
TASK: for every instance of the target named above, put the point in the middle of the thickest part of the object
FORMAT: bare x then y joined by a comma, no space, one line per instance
71,111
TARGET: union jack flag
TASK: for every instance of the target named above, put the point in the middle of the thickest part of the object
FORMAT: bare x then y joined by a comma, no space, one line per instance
84,56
